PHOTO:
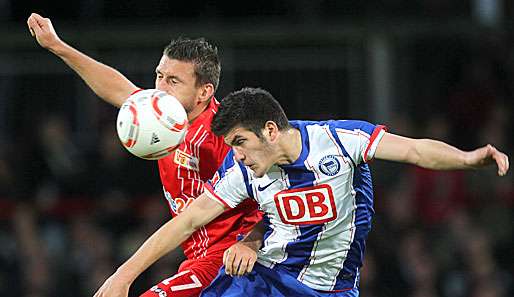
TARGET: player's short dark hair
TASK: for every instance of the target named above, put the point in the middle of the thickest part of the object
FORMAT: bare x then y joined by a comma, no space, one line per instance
249,108
199,52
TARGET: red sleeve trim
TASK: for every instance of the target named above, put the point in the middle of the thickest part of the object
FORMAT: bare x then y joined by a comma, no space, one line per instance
212,195
136,91
372,139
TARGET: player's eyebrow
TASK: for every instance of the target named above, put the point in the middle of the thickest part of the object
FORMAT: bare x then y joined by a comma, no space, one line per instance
168,76
235,139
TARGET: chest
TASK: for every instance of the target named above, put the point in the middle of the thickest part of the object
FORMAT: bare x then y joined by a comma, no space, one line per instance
308,193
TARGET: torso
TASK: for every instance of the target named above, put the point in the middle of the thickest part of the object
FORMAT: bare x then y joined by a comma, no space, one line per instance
318,209
183,174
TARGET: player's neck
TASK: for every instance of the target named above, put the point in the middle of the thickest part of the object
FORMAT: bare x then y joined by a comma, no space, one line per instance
197,111
291,146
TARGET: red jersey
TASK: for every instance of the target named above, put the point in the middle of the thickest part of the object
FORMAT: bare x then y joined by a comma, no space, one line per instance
183,174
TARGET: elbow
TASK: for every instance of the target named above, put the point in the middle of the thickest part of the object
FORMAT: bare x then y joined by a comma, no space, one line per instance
190,228
413,157
417,155
193,227
185,225
194,224
427,163
430,164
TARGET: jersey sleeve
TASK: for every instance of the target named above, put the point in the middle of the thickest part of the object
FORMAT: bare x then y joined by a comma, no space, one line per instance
359,138
229,184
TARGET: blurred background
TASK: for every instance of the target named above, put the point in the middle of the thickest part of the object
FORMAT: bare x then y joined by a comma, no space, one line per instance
74,204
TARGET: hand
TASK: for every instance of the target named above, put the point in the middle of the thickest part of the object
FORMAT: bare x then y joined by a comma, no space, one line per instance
113,287
42,29
239,259
487,155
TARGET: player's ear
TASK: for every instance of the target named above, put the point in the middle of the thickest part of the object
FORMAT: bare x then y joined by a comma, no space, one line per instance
206,92
271,131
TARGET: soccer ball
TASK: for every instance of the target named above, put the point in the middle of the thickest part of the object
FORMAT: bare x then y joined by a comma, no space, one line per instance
151,124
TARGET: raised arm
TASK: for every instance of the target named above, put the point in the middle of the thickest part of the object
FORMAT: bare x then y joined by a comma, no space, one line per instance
438,155
107,82
168,237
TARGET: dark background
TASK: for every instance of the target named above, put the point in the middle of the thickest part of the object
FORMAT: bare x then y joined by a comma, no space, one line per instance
74,204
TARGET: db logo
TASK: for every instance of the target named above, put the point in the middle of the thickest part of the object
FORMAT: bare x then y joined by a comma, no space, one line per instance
312,205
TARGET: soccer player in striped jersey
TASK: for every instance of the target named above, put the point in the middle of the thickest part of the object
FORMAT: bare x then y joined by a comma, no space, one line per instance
313,182
189,70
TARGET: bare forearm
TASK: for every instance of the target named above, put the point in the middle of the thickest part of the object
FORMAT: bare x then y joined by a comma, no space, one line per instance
170,236
433,154
107,82
167,238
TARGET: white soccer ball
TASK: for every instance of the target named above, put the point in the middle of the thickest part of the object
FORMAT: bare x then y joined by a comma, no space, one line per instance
151,124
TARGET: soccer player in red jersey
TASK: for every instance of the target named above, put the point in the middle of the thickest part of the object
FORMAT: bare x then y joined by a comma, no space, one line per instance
189,70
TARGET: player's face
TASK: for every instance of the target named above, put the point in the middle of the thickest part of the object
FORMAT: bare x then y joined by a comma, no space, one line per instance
256,153
178,79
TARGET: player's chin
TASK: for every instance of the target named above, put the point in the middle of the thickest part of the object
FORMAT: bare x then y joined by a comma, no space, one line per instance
258,172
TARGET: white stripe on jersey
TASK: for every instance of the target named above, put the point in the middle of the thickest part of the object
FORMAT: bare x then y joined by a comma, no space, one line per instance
200,244
313,254
326,259
205,240
274,250
197,177
199,188
334,142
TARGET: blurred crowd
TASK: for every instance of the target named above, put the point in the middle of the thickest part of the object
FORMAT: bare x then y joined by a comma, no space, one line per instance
74,214
442,233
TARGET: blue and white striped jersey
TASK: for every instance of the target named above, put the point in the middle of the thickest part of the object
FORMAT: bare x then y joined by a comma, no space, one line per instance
318,210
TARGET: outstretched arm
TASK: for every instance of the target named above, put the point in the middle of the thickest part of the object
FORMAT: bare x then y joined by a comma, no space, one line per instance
438,155
108,83
168,237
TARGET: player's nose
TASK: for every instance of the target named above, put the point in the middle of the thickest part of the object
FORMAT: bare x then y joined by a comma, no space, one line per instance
161,85
238,154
